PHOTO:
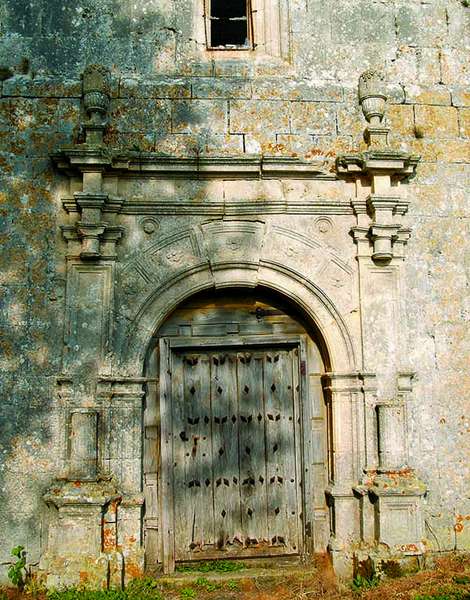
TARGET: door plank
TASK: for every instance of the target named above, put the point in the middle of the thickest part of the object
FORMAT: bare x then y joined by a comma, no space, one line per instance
252,449
191,439
168,534
225,451
280,451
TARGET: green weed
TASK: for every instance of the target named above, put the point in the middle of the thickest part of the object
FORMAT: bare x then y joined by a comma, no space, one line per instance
146,588
364,583
17,571
217,566
187,594
457,595
232,585
138,589
208,586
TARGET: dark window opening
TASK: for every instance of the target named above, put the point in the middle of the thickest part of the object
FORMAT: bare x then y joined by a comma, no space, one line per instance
229,24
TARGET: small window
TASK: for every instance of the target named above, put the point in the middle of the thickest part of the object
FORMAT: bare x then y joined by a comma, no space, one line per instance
229,25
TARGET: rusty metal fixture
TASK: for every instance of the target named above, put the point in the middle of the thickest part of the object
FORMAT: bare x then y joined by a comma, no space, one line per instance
371,96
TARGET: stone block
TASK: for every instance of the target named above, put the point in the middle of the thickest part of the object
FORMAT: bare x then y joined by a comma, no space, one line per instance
428,65
351,120
42,87
401,119
464,121
221,88
196,69
395,93
421,25
221,144
437,121
436,95
361,21
455,66
140,114
165,88
301,90
259,116
136,142
232,68
194,116
403,66
311,146
312,117
460,96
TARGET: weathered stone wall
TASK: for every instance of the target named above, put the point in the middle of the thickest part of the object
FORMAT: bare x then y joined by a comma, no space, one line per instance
169,96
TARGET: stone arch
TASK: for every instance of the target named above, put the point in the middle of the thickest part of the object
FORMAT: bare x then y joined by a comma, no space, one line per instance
305,295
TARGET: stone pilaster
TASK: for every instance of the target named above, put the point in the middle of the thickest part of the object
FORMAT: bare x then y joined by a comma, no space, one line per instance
342,392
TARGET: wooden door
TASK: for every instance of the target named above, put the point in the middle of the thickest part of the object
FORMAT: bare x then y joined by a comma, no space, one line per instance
230,452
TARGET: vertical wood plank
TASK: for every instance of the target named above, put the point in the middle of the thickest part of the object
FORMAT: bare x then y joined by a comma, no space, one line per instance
168,537
200,482
225,450
251,425
192,455
283,515
181,463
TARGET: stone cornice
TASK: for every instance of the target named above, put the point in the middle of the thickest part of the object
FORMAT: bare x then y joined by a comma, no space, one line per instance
137,205
387,161
83,157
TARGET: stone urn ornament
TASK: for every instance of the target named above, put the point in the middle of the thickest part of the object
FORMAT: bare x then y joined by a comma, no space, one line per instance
371,96
96,100
372,100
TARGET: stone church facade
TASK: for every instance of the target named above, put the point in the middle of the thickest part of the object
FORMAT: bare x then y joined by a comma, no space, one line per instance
234,283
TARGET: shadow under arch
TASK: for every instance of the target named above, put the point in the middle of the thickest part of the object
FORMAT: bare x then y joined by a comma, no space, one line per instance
317,310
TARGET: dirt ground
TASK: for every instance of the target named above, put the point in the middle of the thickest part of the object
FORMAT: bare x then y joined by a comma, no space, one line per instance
449,580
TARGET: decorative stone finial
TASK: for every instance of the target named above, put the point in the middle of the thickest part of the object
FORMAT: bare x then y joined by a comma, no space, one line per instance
372,99
371,96
96,98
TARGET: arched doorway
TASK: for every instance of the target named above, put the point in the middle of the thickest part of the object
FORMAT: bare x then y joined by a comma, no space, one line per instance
235,451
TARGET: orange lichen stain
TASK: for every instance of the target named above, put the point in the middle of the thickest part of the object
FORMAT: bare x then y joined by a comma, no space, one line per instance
458,527
313,152
132,539
83,576
133,570
77,484
109,538
409,548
